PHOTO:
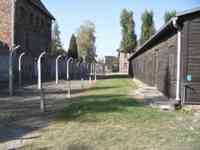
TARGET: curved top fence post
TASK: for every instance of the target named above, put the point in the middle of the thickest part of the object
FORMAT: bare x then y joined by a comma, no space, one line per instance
57,74
68,61
39,69
12,50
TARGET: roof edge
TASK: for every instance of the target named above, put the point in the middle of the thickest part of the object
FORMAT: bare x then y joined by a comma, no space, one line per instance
44,11
172,22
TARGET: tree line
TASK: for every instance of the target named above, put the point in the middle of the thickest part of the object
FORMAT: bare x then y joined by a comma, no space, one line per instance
82,43
129,40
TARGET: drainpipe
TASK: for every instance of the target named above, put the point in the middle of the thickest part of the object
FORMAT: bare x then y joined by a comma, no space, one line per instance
178,80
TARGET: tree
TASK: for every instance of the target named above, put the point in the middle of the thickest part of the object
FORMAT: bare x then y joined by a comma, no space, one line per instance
86,41
56,45
168,15
129,38
73,48
147,29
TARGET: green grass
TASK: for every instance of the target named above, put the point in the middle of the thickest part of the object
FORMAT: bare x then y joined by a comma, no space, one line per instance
109,100
108,118
6,116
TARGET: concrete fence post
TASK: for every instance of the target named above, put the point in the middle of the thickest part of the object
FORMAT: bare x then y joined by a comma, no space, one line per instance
91,70
95,72
42,96
12,50
57,68
20,69
82,75
68,79
88,70
40,70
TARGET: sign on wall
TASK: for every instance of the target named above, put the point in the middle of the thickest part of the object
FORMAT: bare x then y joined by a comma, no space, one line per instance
189,77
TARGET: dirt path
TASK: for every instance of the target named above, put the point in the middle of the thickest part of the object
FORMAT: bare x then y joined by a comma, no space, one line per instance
21,119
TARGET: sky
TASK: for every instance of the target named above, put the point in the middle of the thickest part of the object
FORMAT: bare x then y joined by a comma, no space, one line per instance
70,14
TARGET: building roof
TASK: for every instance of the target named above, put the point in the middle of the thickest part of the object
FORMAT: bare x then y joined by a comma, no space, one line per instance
166,30
41,6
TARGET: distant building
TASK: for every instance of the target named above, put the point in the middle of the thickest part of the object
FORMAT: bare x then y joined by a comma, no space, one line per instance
111,64
123,62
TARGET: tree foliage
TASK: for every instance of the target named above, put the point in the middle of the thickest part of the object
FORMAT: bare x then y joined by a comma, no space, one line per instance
168,15
147,29
56,45
73,48
129,38
86,39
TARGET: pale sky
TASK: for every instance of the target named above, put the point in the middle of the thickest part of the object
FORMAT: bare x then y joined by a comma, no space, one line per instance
70,14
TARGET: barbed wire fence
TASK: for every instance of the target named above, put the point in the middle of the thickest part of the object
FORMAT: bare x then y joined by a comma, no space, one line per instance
48,71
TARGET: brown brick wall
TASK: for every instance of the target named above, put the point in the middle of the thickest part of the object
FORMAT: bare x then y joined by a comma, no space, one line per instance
5,21
123,62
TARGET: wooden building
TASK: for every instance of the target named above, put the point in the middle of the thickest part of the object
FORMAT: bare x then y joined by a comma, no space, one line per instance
170,59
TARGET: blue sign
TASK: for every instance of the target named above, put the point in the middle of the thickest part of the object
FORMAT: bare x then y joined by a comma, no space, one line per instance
189,77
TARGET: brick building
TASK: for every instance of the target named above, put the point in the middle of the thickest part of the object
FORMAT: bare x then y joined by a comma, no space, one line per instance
123,61
26,23
111,64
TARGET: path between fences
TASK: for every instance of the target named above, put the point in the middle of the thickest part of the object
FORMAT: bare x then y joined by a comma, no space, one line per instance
24,110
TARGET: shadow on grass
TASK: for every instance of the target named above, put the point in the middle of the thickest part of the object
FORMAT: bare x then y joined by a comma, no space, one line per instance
96,104
75,91
26,92
116,76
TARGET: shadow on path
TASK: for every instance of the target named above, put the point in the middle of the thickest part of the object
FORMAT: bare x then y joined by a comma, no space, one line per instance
21,114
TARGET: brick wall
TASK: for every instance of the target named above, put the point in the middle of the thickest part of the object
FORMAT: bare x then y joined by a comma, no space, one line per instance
32,28
123,62
5,21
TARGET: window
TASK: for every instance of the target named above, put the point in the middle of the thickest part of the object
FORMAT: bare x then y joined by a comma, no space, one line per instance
125,55
31,18
42,22
37,21
125,67
22,13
